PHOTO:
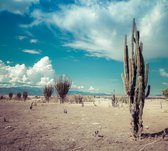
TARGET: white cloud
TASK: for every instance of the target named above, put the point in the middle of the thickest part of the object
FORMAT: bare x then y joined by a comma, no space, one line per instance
99,26
35,52
21,37
20,75
165,83
16,6
33,40
163,72
84,88
77,87
91,88
8,62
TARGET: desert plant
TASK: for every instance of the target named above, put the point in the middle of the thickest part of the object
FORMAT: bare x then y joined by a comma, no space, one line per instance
10,95
165,92
48,90
1,97
78,99
18,96
62,86
114,101
135,79
25,95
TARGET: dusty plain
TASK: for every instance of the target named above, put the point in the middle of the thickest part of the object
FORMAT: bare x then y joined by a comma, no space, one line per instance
95,127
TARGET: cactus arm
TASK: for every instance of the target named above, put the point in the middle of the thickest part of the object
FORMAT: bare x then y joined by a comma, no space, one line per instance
126,66
146,75
140,87
133,39
130,75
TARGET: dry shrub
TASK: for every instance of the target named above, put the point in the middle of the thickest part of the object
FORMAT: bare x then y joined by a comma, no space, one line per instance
78,99
25,95
62,86
48,90
18,96
10,95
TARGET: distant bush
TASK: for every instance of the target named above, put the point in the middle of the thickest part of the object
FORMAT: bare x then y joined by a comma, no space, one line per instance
10,95
48,90
1,97
78,99
114,101
165,92
62,86
25,95
18,96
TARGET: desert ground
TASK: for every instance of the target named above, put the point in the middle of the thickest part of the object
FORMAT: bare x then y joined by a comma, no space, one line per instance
95,127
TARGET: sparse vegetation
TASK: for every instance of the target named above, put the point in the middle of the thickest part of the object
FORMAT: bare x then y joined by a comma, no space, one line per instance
10,95
88,122
48,90
62,86
135,79
25,95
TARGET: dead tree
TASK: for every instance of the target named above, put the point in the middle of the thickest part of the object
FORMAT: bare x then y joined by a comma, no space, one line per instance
62,86
135,79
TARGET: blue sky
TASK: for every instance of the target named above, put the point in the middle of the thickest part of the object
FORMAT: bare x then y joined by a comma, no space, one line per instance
83,39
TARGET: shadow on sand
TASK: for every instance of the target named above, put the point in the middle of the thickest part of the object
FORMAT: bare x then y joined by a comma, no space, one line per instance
163,134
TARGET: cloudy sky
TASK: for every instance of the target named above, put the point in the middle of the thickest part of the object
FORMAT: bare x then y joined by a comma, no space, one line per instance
83,39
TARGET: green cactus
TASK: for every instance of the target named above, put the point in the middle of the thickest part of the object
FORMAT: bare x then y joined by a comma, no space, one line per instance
135,79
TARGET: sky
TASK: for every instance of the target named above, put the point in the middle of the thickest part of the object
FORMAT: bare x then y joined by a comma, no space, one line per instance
82,39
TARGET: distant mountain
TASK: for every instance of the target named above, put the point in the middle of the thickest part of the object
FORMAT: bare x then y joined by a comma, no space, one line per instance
71,92
36,91
30,90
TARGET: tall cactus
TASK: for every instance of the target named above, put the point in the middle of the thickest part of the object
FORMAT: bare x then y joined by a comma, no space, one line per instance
135,79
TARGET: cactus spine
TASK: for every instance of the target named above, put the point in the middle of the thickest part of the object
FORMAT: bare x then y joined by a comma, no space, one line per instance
135,79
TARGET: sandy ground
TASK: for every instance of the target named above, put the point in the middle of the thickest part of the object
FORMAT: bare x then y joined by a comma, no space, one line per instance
99,128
